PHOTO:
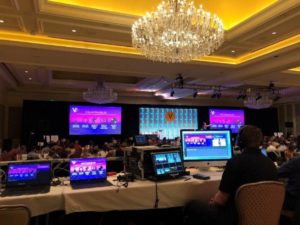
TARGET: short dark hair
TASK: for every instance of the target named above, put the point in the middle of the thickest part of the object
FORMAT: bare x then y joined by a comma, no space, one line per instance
250,136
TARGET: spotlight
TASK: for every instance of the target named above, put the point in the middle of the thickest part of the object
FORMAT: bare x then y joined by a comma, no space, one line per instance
179,81
195,94
276,98
172,93
242,95
258,96
217,93
271,85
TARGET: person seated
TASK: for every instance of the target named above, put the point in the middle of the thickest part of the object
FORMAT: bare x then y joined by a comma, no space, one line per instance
289,152
248,167
291,170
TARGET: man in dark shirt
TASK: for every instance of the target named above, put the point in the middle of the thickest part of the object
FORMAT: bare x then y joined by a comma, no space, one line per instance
251,166
291,170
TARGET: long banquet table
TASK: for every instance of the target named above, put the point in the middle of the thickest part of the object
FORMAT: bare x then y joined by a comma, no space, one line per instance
138,195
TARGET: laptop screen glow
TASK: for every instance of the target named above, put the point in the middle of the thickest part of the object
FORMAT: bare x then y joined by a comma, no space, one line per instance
25,174
87,169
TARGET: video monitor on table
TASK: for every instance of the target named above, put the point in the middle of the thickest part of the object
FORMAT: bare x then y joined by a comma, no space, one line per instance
94,120
231,119
167,122
206,147
29,173
86,169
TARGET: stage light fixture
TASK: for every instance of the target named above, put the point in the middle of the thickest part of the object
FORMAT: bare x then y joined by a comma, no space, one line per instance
258,96
172,93
195,94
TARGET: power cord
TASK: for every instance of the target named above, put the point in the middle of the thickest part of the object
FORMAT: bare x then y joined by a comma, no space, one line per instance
156,196
2,177
58,167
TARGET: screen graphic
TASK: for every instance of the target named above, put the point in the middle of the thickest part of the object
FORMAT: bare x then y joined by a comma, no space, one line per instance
167,122
93,120
206,145
28,174
167,163
87,169
231,119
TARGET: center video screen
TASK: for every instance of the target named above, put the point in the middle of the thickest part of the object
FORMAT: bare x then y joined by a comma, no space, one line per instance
206,145
87,169
94,120
223,119
167,122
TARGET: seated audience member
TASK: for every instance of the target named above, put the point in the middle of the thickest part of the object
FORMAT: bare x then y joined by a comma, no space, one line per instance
289,152
291,170
248,167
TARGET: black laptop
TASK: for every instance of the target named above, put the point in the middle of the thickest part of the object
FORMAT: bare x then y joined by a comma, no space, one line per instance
28,178
88,173
167,165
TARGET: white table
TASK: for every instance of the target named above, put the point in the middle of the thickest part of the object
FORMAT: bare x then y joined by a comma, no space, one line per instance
38,204
138,195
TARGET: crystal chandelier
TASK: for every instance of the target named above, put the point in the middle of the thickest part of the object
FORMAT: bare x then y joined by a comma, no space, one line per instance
100,94
254,102
177,32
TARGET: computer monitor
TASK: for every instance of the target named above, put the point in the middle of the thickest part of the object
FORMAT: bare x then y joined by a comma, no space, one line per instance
167,164
205,148
87,169
140,140
28,174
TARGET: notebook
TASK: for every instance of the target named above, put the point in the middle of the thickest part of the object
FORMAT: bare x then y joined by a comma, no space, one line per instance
88,172
167,165
28,178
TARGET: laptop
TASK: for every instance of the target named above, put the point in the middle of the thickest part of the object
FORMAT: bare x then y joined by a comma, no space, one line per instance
88,173
167,165
28,178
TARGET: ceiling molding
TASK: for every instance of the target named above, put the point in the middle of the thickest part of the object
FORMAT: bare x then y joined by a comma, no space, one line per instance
51,8
43,41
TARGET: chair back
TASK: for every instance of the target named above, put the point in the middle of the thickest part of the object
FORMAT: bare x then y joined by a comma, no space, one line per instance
14,215
260,203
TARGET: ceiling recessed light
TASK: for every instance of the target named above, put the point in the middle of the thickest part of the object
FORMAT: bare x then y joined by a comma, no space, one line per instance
274,32
232,51
26,71
1,21
29,78
74,31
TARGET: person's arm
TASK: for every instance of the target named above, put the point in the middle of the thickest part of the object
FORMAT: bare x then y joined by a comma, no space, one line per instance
220,198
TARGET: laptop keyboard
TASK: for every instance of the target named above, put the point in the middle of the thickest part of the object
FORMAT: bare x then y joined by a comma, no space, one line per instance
25,191
90,185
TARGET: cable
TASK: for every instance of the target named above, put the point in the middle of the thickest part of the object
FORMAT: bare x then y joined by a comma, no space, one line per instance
156,196
2,174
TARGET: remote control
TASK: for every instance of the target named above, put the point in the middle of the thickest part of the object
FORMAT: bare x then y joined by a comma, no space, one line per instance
201,176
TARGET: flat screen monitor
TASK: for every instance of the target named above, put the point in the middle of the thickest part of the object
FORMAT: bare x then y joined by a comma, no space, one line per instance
167,122
28,174
167,164
94,120
206,147
86,169
232,119
140,140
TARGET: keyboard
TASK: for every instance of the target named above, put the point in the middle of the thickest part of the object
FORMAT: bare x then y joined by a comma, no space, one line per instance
90,185
17,191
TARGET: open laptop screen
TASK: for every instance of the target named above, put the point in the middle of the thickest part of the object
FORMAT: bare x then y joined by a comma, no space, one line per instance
27,174
85,169
167,163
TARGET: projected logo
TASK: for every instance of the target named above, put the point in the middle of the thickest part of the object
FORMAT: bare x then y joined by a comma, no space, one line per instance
170,116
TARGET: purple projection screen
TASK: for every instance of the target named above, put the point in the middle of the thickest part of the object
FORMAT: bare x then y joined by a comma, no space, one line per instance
94,120
231,119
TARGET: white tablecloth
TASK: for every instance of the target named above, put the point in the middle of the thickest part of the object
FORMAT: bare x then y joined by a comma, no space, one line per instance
38,204
138,195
